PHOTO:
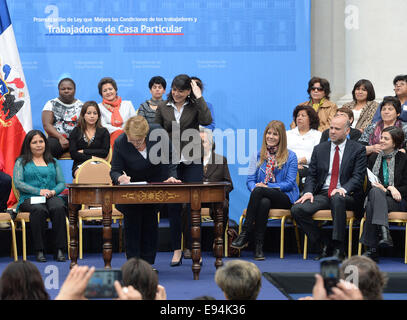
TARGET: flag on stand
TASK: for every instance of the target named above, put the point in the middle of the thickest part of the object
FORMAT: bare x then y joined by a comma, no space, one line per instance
15,107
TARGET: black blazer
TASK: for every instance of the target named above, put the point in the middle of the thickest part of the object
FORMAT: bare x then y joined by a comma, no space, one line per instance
99,147
218,171
126,158
400,172
194,114
354,135
351,173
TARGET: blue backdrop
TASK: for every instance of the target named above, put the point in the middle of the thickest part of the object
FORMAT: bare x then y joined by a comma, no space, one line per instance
252,55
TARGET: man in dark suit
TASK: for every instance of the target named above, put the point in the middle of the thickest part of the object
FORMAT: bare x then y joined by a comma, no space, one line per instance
335,178
354,134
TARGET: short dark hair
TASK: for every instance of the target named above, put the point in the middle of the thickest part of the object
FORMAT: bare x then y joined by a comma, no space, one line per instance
371,95
400,77
371,279
181,82
394,101
138,273
324,84
312,115
397,135
348,111
104,81
157,80
67,79
26,154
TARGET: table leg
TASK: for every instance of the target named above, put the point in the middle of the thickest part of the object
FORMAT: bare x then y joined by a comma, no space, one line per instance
218,239
107,229
196,232
73,233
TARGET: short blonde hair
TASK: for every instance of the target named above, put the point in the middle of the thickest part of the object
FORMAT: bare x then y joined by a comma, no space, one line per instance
136,126
239,280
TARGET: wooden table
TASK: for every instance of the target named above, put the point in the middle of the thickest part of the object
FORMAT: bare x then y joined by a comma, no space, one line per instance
106,195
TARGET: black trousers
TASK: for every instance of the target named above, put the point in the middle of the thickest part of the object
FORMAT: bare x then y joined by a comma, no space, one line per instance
303,212
377,208
260,202
186,173
55,147
5,189
54,209
140,230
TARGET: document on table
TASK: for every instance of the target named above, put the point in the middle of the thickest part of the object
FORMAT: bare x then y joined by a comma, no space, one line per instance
136,182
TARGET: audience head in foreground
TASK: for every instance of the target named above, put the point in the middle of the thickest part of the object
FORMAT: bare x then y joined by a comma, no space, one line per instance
239,280
21,280
366,282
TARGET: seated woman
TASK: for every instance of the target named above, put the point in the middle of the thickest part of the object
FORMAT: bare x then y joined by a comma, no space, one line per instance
304,137
89,139
390,109
131,162
363,105
272,183
59,117
115,111
36,173
389,194
319,90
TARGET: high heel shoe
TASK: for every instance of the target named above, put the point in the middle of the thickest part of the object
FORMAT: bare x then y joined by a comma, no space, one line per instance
177,263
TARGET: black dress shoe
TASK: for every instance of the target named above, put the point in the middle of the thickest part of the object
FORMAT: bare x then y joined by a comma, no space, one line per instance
372,254
60,257
242,241
385,237
187,253
258,251
338,254
40,257
323,253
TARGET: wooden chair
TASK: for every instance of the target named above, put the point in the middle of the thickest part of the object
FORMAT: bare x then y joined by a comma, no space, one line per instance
24,217
325,215
395,217
5,217
95,172
280,214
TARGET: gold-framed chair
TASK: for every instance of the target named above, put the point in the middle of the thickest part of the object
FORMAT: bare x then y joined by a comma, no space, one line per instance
283,215
6,217
325,215
394,217
24,217
95,172
278,214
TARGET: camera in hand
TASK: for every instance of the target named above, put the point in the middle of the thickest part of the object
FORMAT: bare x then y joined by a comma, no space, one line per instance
101,285
330,273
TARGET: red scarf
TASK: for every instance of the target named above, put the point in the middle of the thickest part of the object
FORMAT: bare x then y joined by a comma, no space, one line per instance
114,108
271,164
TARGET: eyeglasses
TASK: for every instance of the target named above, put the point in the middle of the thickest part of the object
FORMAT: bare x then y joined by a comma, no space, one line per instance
317,88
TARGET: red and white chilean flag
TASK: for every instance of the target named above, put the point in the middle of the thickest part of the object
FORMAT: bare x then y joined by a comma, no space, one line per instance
15,106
